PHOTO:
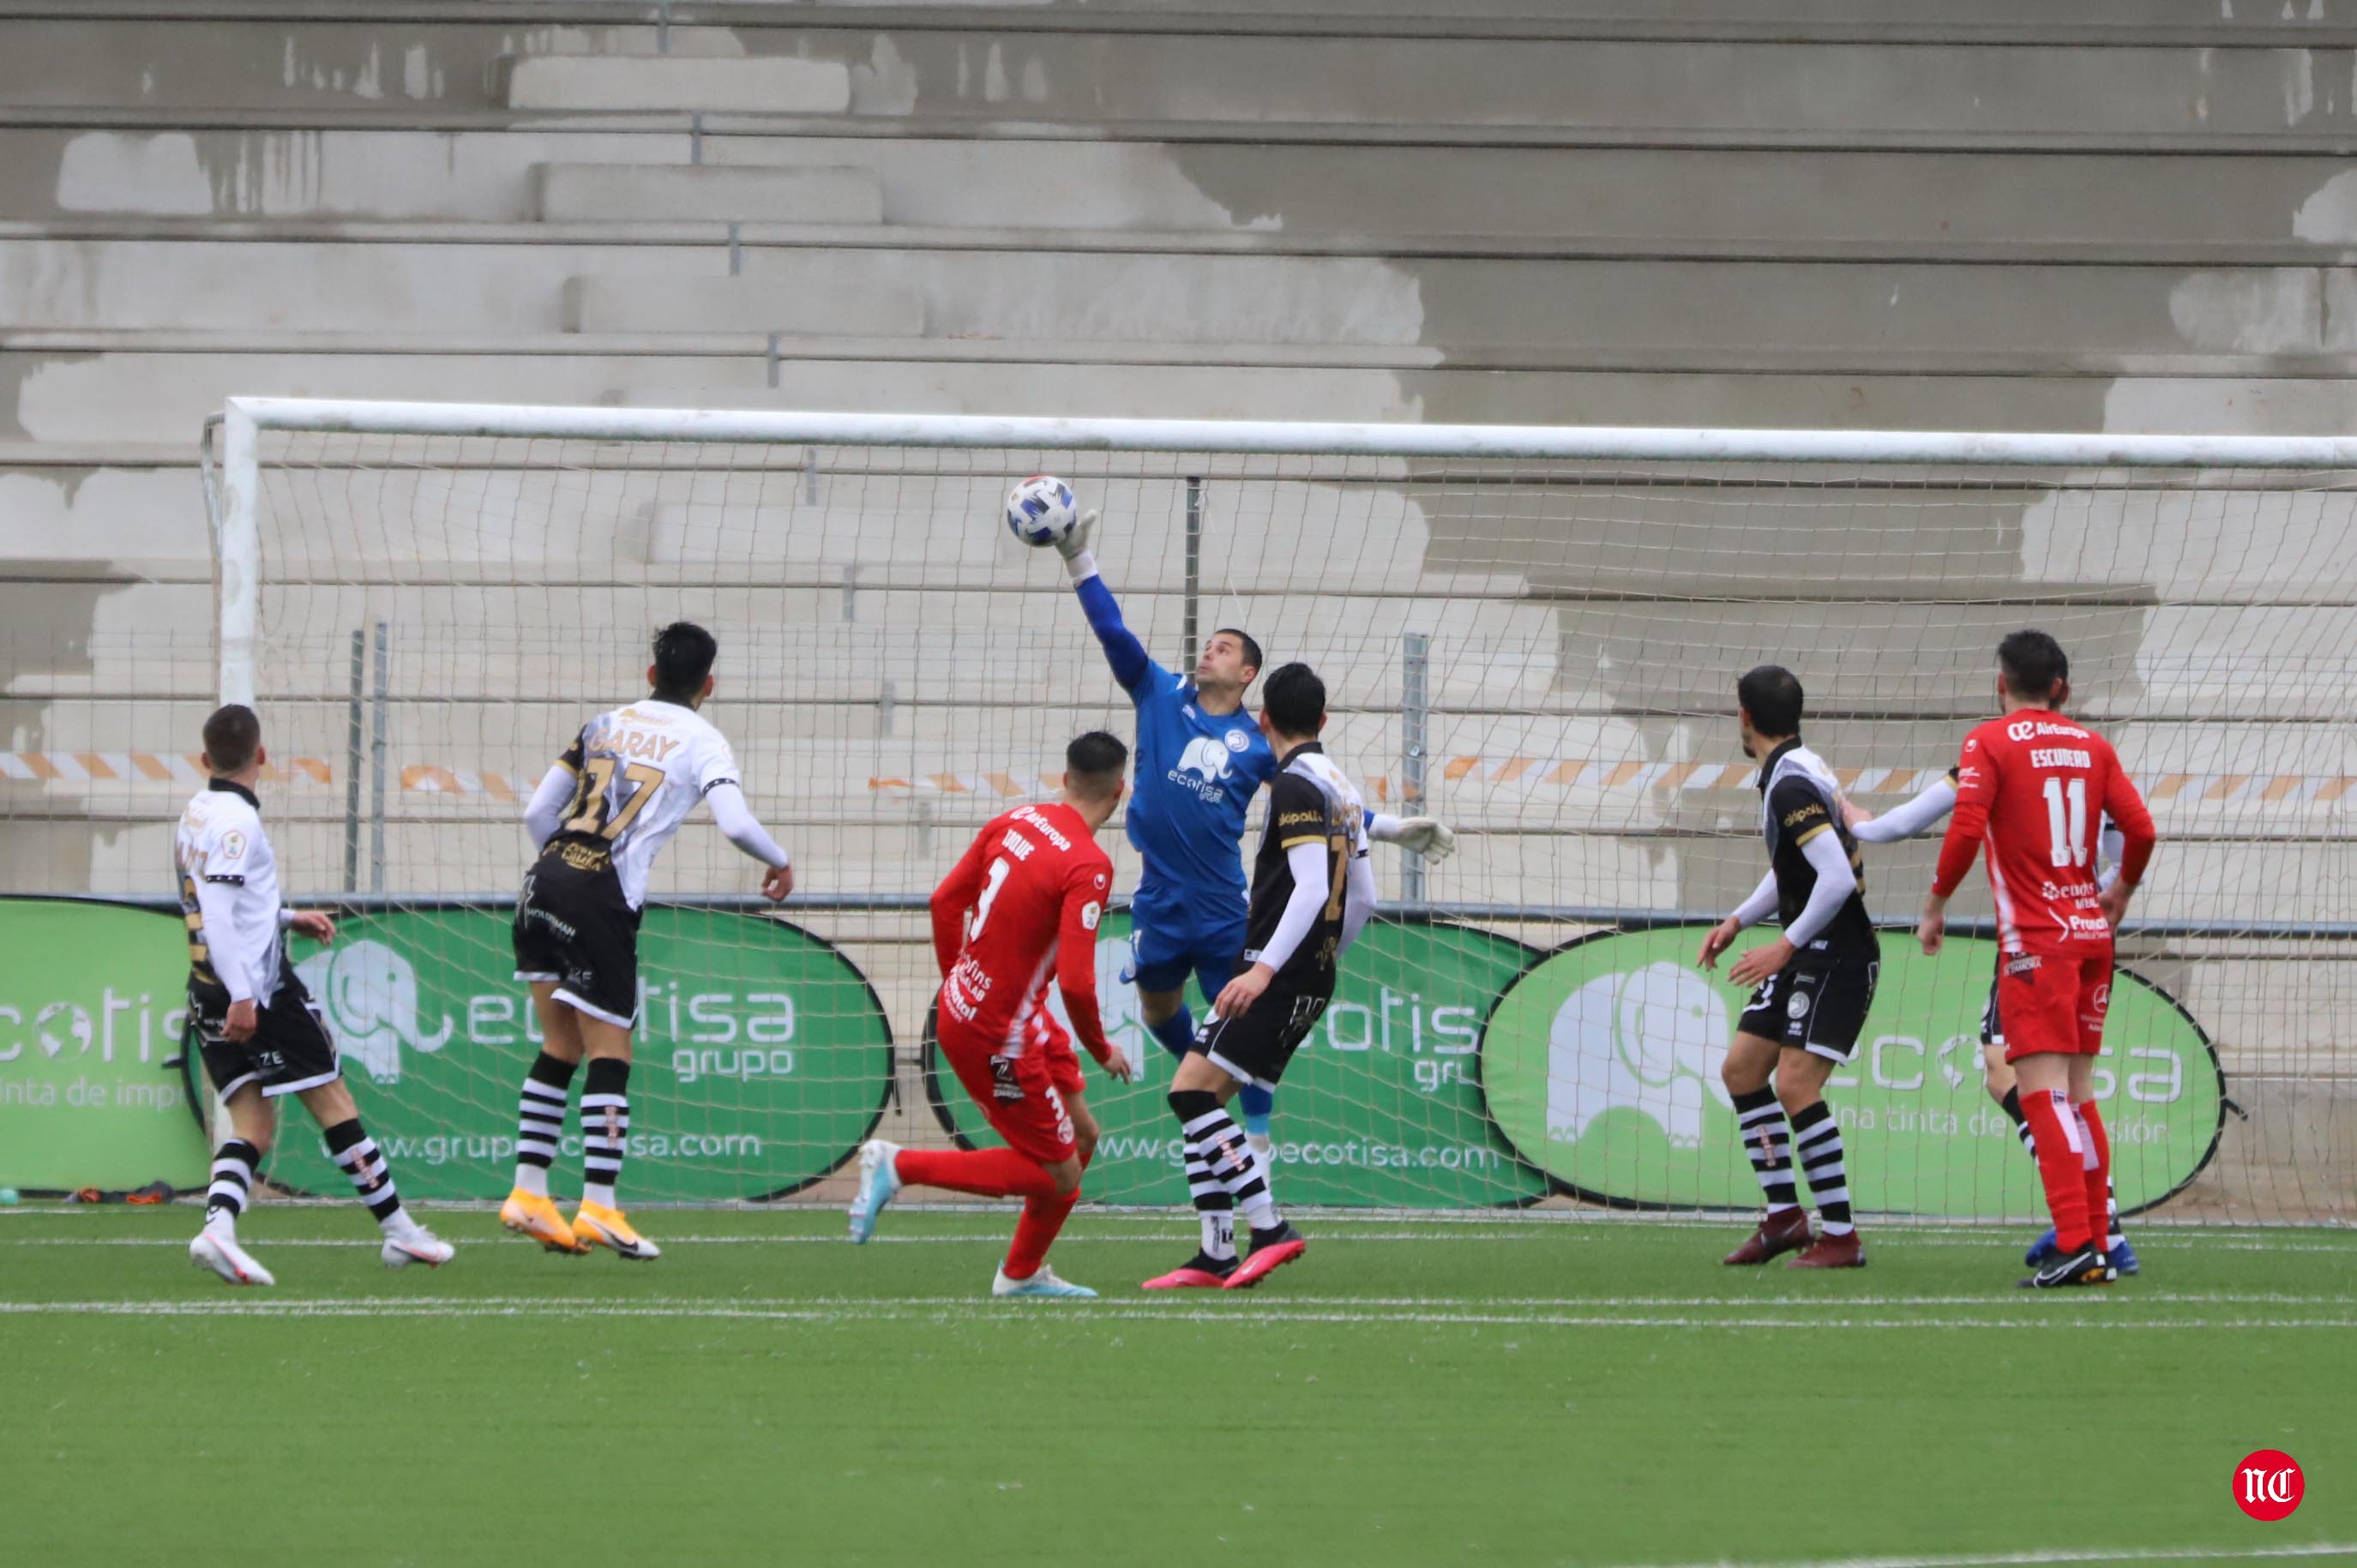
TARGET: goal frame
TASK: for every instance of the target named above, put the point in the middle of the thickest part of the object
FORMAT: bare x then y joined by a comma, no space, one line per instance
232,454
231,464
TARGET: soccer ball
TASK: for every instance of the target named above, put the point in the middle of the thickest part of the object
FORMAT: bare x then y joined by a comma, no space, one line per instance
1041,510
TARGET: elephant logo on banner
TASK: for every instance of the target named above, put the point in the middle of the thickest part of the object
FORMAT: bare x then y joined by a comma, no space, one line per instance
1649,1039
369,993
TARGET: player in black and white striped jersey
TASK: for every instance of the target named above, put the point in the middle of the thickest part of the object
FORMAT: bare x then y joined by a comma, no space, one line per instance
1312,892
260,1036
1815,985
602,813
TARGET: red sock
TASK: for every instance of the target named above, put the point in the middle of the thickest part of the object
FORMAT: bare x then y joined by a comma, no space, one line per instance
2098,1176
1037,1230
985,1173
1036,1233
2060,1164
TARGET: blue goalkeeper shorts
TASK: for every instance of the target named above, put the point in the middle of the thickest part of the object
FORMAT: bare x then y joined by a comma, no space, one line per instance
1176,932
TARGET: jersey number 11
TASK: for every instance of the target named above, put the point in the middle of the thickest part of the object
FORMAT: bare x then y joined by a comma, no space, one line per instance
2066,842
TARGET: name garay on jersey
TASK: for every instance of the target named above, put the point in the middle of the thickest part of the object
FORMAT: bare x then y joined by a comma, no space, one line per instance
641,770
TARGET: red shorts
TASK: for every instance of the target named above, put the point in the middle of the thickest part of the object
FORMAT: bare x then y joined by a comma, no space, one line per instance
1019,1095
1064,1064
1064,1067
2053,1003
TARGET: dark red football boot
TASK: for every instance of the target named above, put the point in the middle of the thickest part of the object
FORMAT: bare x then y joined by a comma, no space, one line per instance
1779,1233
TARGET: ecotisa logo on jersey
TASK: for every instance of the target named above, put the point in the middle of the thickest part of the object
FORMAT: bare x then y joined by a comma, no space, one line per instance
1203,766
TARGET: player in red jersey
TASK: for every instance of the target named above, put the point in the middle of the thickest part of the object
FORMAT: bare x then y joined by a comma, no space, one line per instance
2033,785
1021,907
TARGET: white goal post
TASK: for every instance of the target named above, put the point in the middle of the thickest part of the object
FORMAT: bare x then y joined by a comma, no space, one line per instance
1532,632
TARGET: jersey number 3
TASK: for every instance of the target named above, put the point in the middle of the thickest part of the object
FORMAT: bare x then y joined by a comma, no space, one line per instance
994,879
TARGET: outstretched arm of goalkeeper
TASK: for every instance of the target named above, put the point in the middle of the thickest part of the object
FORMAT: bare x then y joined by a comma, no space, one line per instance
1123,650
1427,836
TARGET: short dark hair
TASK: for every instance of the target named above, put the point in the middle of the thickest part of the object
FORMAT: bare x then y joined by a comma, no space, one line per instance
1252,648
1771,696
2034,665
1094,761
1294,699
231,738
683,655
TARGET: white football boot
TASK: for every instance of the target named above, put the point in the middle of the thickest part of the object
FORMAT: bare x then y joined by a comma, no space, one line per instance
218,1251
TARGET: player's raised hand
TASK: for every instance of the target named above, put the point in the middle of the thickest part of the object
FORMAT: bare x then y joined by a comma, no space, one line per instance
313,924
1717,940
1761,961
1077,542
778,884
1427,836
1241,991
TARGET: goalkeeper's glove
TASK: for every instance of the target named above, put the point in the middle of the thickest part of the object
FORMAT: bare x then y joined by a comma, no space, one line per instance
1074,546
1427,836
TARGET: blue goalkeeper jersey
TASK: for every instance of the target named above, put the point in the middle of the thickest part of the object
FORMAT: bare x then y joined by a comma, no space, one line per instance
1195,774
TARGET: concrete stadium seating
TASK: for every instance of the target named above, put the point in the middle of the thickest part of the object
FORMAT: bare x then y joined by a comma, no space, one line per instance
2102,215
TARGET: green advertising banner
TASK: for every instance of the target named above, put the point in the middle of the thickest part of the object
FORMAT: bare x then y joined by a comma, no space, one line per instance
1601,1066
762,1055
90,1012
1379,1107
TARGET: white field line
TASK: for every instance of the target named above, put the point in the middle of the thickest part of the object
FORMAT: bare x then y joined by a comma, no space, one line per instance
2038,1559
981,1239
985,1311
2124,1298
1955,1232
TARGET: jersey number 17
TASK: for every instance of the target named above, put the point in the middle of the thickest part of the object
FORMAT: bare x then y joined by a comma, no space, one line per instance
586,814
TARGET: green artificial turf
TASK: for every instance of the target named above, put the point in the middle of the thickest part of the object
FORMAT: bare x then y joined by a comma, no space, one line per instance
1510,1392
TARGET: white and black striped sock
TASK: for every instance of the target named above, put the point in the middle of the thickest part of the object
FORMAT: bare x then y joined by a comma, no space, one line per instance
605,1129
1817,1145
2020,1120
539,1122
1760,1121
1214,1209
1227,1156
232,1184
371,1179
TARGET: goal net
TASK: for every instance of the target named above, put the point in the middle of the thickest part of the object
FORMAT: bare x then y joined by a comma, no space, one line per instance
1532,634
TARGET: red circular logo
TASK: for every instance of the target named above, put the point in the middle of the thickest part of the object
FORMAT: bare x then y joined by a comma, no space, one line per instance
2268,1485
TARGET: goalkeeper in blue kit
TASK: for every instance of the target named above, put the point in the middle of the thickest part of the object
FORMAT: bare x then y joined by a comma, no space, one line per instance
1199,759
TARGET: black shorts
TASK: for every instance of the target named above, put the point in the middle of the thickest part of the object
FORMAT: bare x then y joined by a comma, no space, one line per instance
1992,1025
1253,1046
290,1049
1818,1001
573,927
